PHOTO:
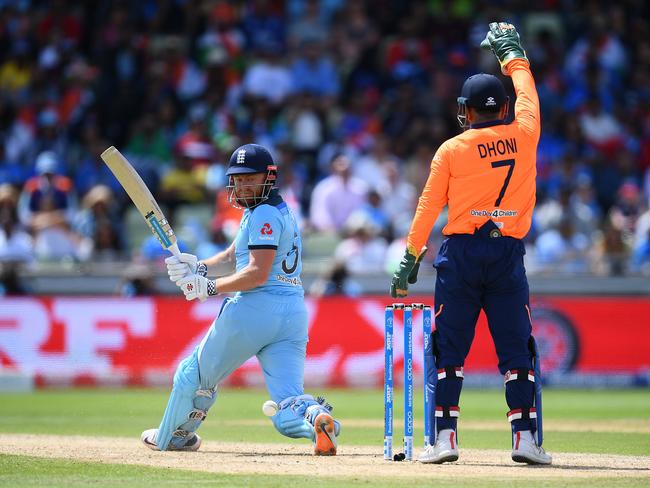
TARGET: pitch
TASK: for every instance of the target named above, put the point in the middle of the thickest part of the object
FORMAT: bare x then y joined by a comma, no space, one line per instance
597,438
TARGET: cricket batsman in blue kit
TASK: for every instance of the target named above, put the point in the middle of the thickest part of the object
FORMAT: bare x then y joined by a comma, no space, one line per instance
266,317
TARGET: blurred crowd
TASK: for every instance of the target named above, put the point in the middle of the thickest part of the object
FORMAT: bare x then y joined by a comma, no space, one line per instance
352,97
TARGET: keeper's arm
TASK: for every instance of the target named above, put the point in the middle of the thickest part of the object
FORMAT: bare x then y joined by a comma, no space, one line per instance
431,202
527,114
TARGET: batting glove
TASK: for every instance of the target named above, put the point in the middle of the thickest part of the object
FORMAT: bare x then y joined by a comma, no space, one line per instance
503,40
196,286
183,266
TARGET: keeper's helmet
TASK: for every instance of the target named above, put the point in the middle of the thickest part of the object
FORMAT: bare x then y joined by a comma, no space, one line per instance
484,93
249,159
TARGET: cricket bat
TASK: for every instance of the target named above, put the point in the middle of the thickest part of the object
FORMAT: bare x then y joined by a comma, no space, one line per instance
142,198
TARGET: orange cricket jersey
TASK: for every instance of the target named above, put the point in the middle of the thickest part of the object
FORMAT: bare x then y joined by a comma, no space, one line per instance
485,173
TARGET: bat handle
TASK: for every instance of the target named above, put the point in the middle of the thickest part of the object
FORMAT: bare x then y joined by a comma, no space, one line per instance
177,252
174,250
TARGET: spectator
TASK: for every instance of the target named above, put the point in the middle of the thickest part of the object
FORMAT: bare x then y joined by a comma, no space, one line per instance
372,166
99,225
336,197
313,71
268,77
610,252
374,212
310,25
15,243
628,208
363,250
601,129
217,241
196,143
319,77
48,192
149,140
16,71
182,71
307,131
264,26
11,172
222,32
561,249
399,198
183,184
336,281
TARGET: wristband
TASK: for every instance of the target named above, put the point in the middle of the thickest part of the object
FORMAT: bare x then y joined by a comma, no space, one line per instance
212,288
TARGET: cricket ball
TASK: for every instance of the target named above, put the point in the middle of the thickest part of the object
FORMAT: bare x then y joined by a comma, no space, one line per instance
270,408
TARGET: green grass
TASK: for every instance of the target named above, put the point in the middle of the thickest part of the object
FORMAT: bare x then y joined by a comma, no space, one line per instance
27,472
126,412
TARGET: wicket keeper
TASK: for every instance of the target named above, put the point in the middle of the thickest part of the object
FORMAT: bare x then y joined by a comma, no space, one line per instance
486,176
266,317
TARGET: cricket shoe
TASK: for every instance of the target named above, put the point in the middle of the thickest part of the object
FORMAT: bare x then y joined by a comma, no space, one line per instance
192,442
325,429
445,450
526,450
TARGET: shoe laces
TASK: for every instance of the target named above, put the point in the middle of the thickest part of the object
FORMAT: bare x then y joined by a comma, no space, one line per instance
325,405
539,449
429,449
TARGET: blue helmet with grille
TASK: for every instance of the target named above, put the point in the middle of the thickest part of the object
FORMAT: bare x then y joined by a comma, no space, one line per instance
250,159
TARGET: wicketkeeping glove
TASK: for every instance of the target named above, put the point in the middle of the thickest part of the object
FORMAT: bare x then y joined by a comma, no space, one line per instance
413,275
196,286
406,273
187,264
503,40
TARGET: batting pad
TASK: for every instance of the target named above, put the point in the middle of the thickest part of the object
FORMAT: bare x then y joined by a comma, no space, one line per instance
188,404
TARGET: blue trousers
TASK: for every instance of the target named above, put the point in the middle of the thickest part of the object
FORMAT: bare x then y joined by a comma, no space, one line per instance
271,327
477,272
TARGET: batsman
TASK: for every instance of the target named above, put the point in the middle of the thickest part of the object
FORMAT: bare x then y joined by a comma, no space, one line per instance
486,177
266,317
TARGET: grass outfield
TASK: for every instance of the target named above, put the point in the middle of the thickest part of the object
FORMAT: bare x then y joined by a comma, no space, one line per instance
593,421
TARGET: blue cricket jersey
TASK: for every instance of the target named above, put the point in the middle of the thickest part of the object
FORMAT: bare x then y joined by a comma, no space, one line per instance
271,225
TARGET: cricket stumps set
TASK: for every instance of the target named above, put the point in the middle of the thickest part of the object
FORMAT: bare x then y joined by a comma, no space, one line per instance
430,381
428,389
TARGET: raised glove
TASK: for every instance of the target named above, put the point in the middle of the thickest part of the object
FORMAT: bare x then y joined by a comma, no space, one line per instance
503,40
399,284
183,266
196,286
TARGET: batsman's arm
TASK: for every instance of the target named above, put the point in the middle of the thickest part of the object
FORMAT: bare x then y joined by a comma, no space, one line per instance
431,202
252,275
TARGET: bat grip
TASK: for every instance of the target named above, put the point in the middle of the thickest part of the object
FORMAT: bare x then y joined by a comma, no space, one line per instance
174,250
177,252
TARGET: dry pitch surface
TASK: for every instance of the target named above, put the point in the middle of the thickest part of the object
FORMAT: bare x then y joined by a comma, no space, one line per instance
296,459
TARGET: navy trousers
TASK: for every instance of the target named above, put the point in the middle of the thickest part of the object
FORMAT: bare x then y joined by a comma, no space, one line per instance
474,272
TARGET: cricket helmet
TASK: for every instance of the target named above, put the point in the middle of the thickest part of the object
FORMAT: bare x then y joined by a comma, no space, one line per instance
483,92
250,159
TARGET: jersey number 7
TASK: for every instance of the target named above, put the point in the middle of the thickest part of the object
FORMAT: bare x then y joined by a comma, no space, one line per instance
499,164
